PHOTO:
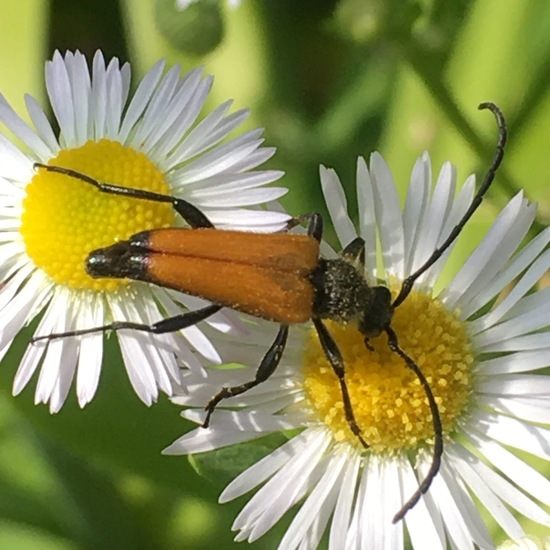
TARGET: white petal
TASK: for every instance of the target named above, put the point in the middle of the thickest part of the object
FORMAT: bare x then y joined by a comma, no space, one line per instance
525,284
469,512
513,432
459,208
229,427
523,342
118,82
322,497
254,159
15,165
248,220
146,133
17,313
527,257
221,159
509,493
516,362
205,134
267,466
189,116
140,100
532,409
98,106
461,460
11,286
91,353
219,131
43,129
54,356
367,219
357,525
531,313
423,524
335,200
433,221
516,385
530,480
448,502
342,511
59,91
179,118
372,527
192,336
282,491
388,217
79,76
467,287
390,501
65,375
247,197
21,129
416,204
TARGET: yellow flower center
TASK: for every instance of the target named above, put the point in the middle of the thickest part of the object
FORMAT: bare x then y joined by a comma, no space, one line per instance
388,401
65,218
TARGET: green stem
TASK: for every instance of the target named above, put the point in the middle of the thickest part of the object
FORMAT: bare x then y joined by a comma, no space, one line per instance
419,60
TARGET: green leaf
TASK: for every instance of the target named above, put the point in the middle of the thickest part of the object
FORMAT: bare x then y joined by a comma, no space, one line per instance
225,464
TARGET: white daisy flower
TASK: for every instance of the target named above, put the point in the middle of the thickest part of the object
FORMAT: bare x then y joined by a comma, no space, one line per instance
153,139
481,357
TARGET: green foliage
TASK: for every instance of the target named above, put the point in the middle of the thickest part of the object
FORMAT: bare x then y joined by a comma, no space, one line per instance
225,464
196,30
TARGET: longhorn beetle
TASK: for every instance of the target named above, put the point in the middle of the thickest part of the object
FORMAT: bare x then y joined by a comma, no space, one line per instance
279,277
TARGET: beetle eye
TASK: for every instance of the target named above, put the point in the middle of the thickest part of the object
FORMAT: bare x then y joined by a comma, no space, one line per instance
379,314
382,296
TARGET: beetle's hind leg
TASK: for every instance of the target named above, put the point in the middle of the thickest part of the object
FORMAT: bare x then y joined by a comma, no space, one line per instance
265,370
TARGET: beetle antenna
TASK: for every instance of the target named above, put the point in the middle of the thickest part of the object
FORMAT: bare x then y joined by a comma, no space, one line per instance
190,213
437,427
489,177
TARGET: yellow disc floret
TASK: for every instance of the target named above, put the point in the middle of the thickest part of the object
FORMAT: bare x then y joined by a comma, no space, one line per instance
388,401
64,218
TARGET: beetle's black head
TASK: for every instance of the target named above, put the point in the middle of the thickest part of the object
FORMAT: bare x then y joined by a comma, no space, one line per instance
379,314
118,261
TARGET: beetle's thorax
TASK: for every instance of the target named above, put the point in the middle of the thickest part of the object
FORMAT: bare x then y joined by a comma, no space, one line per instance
342,294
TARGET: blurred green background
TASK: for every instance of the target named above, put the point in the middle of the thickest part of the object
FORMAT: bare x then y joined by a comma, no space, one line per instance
329,81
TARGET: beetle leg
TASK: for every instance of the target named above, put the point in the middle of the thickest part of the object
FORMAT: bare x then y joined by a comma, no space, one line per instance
355,252
265,370
337,363
191,214
314,227
171,324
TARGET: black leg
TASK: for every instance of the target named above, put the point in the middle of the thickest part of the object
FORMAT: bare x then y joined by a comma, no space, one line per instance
436,419
191,214
265,370
355,252
314,221
337,363
172,324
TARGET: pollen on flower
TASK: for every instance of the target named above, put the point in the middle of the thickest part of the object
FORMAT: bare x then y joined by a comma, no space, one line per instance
64,219
388,401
